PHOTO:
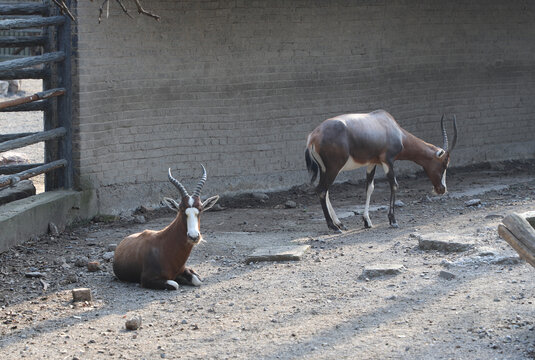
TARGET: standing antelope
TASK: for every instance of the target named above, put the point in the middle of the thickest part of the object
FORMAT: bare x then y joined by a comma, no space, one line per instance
350,141
157,259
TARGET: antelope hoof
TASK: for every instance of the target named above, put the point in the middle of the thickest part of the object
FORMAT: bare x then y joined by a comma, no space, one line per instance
341,227
189,277
367,223
171,285
394,225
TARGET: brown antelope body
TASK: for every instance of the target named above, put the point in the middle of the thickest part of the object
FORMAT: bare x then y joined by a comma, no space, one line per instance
157,259
350,141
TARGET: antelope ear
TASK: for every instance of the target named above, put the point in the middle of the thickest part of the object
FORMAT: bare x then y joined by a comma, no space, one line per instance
440,153
208,203
171,203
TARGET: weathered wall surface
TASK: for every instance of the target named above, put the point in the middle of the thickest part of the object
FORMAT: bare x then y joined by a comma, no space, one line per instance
238,85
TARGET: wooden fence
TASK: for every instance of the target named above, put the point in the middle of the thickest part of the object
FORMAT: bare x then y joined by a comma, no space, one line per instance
53,67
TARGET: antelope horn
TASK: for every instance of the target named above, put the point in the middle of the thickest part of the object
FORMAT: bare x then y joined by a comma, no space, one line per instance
454,133
178,185
198,189
444,135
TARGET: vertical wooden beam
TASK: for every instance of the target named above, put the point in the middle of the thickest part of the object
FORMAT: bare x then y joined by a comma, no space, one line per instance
50,116
65,101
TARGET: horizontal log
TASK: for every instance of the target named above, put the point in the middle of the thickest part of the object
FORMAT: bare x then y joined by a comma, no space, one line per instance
25,74
8,137
32,139
519,247
38,105
22,41
15,178
24,9
31,61
36,21
16,168
522,230
37,96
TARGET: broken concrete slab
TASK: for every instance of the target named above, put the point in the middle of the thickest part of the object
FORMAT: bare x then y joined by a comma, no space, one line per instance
443,242
278,253
379,270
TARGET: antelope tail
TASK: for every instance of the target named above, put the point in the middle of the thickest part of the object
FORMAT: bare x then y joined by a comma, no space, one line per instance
312,166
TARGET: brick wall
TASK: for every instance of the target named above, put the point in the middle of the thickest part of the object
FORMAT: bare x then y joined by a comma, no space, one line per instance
238,85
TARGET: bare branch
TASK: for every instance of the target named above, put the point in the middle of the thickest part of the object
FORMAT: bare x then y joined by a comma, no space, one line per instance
64,9
145,12
101,10
125,10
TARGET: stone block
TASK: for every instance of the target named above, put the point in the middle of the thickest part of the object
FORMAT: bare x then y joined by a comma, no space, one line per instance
278,253
443,242
81,294
379,270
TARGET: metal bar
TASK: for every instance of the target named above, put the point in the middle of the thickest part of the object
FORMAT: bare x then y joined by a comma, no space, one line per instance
15,178
31,61
38,105
32,139
37,21
38,96
8,137
16,168
24,9
25,74
21,41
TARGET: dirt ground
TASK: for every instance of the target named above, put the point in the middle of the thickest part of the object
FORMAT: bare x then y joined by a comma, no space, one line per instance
315,308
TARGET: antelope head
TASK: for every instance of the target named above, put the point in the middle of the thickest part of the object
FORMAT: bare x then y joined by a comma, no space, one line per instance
191,206
437,170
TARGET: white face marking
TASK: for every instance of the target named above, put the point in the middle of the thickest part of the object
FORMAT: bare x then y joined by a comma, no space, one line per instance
190,201
172,283
192,218
443,181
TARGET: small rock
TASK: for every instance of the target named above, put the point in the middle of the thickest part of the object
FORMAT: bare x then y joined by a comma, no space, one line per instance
53,229
290,204
472,202
81,261
133,323
34,274
506,260
93,266
446,275
112,247
108,255
381,270
494,216
399,203
71,279
260,197
81,294
216,207
140,219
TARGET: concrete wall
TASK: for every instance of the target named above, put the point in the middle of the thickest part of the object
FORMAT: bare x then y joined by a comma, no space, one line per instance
238,85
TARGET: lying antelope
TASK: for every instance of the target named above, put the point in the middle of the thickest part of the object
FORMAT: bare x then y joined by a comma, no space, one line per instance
157,259
350,141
